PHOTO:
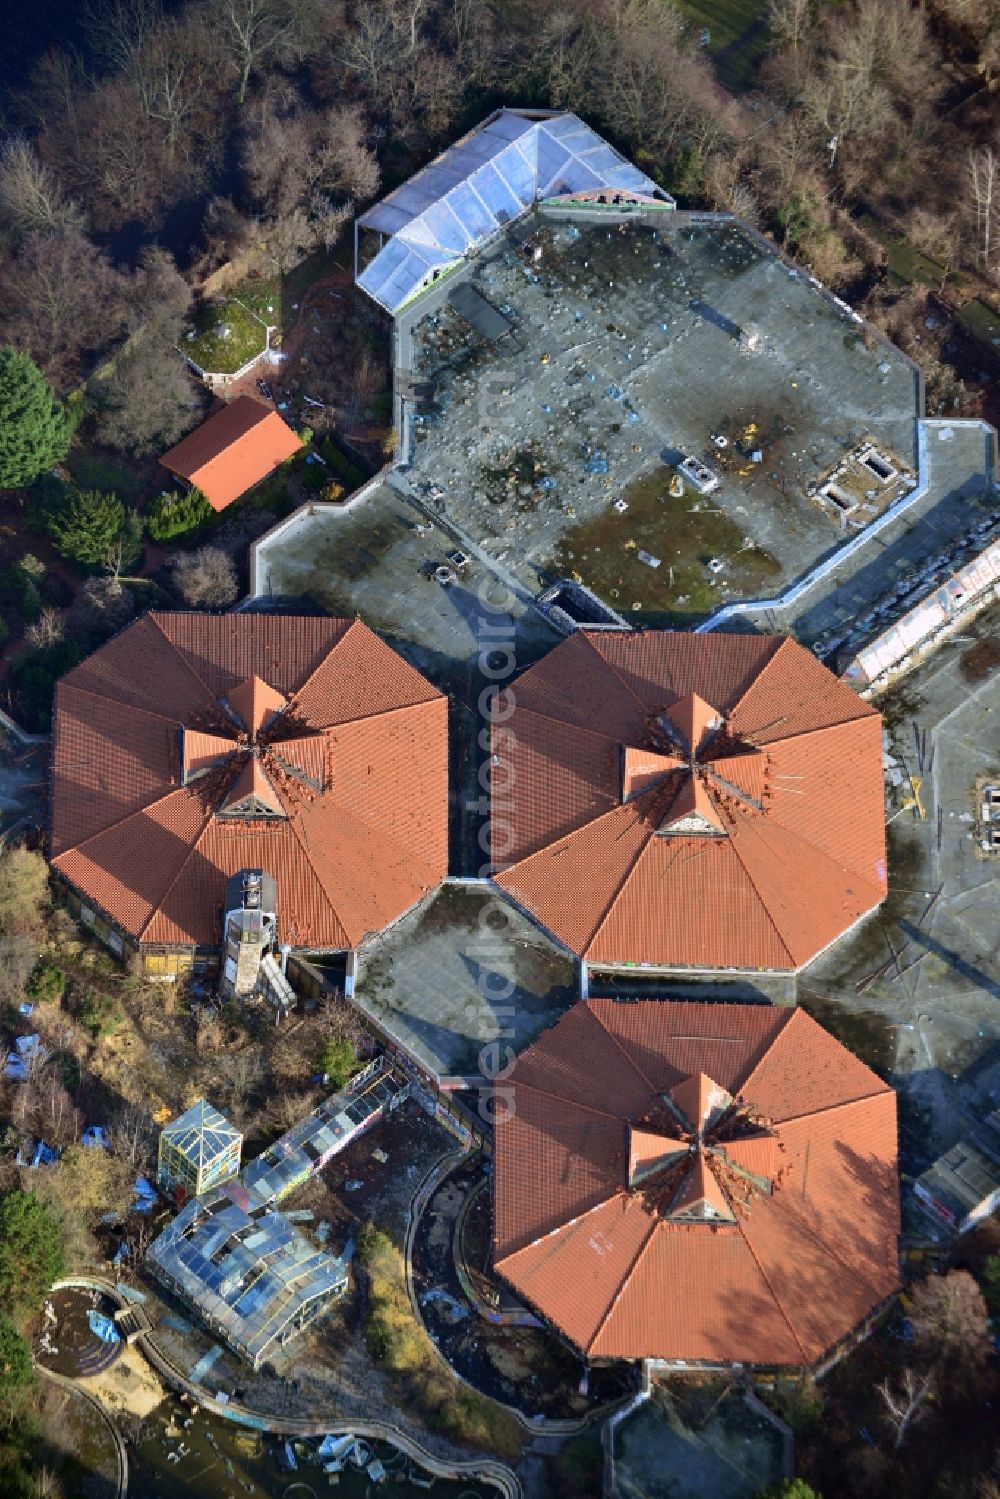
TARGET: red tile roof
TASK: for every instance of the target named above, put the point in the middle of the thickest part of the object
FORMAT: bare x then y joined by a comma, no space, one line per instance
765,1242
233,450
192,746
705,801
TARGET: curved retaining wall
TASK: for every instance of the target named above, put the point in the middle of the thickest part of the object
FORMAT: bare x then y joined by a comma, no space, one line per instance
497,1474
535,1425
80,1389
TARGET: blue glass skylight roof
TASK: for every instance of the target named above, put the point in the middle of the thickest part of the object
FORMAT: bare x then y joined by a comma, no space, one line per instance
480,184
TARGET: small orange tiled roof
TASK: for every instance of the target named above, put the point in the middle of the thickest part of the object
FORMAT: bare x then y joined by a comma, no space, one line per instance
700,801
762,1239
233,450
192,746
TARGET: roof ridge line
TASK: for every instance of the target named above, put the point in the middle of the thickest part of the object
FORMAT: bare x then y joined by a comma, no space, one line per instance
153,615
821,1239
814,849
581,728
296,692
623,1281
820,728
294,697
546,848
576,1104
614,670
740,1090
755,679
620,885
886,1091
734,843
109,827
627,875
298,826
589,1003
774,1295
331,728
157,906
565,1223
102,696
295,824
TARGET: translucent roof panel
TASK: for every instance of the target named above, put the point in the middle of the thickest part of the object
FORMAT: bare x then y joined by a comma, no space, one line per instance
481,183
201,1133
499,197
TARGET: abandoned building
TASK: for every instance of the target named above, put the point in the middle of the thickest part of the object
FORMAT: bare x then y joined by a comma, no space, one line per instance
193,748
197,1151
514,160
698,1184
233,449
252,1277
695,802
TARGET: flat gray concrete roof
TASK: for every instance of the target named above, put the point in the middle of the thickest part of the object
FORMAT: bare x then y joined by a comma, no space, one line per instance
461,971
376,557
940,1020
626,347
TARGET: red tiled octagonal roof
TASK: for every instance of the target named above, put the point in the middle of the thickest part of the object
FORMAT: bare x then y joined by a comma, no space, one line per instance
193,745
761,1234
704,801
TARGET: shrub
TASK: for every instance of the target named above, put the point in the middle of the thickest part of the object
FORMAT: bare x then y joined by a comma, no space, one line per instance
99,1013
205,579
338,1059
87,525
34,433
24,890
34,673
15,1357
47,983
174,514
400,1342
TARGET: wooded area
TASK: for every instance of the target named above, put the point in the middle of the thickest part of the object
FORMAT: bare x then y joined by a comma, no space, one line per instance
247,131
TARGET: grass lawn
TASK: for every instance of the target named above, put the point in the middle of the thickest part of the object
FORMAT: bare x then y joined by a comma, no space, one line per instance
96,468
739,37
315,266
905,264
227,334
982,321
684,533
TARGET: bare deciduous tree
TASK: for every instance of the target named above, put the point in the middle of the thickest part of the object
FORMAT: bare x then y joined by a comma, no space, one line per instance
907,1404
61,299
206,578
255,31
983,175
47,630
31,198
948,1313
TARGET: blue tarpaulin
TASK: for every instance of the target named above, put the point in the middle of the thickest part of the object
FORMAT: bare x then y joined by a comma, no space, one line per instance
145,1195
103,1327
95,1136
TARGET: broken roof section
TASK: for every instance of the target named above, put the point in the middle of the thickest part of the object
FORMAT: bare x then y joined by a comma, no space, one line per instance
483,182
